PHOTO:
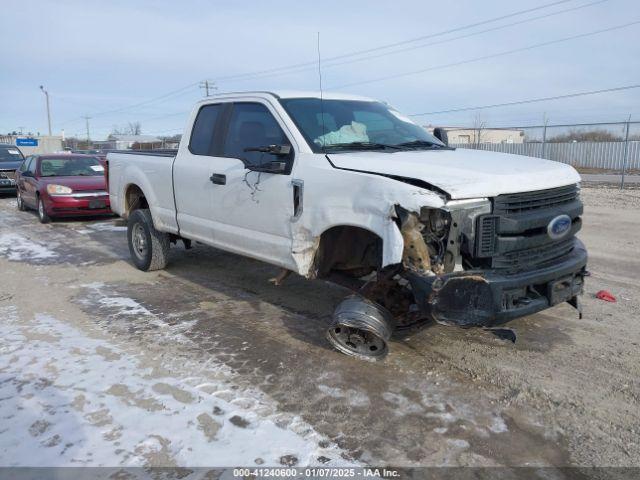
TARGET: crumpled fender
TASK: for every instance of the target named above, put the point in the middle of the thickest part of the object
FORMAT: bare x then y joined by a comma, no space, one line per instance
337,197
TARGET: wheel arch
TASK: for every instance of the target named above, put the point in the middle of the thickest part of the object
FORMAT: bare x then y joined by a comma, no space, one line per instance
352,249
134,199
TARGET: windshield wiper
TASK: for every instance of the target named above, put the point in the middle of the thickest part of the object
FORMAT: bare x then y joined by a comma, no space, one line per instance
361,146
419,143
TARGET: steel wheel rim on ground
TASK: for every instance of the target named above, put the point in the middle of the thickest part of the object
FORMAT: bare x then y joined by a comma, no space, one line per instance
361,328
357,342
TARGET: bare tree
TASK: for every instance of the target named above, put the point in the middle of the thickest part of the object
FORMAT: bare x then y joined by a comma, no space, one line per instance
132,128
594,135
479,125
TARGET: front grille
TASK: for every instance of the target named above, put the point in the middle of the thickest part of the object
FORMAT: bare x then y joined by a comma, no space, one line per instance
520,259
515,203
8,174
513,236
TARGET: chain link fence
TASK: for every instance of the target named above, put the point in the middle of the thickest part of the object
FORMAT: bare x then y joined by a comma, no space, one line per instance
594,148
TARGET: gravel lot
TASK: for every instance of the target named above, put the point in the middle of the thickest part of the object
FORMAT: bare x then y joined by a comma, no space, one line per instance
207,363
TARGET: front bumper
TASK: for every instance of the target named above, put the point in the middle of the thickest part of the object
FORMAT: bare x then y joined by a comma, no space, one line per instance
490,297
7,185
75,205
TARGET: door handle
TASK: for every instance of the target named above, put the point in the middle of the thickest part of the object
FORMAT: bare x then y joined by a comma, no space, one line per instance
218,178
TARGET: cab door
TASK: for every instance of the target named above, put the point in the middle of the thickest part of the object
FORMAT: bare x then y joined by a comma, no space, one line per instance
251,211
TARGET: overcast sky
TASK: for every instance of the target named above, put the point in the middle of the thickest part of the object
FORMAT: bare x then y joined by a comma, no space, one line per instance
96,57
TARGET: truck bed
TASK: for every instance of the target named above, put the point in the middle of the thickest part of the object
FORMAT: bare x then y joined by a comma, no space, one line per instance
152,172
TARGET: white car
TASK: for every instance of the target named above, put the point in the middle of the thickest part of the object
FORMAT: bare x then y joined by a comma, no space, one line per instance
348,189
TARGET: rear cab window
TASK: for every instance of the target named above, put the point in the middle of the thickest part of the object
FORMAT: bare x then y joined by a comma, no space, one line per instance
203,134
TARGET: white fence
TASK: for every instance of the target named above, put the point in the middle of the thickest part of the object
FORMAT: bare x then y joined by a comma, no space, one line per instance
601,155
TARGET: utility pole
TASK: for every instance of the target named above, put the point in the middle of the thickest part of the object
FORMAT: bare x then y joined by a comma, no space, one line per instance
46,94
208,85
87,118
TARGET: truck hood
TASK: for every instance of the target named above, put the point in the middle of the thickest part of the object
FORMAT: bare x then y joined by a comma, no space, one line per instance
463,173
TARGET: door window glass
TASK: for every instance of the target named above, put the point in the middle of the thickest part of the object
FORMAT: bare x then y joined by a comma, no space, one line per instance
251,126
24,165
32,165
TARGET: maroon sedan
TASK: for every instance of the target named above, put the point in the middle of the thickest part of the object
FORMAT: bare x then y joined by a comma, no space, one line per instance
62,185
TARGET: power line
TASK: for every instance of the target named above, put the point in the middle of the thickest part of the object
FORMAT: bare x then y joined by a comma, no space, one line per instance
473,34
424,45
135,105
531,100
395,44
206,83
486,57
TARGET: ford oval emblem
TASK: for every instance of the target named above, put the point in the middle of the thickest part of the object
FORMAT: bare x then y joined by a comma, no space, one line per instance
559,227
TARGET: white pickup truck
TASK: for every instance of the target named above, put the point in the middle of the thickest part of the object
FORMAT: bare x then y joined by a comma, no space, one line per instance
348,189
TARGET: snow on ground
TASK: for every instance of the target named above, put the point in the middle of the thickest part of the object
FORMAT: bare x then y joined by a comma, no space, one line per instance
16,247
70,399
106,227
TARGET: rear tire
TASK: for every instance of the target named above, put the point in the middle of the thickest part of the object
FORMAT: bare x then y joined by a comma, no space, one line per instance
148,247
42,212
21,206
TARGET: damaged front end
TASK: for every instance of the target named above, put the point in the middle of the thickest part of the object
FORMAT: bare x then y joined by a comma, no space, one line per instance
479,263
490,261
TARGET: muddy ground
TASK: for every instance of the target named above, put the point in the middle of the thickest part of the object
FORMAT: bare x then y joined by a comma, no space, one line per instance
207,363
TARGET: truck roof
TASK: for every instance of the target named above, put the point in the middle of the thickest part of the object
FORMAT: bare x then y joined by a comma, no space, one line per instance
294,94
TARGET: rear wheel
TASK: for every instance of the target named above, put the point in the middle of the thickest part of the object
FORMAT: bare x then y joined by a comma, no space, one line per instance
42,212
21,206
149,248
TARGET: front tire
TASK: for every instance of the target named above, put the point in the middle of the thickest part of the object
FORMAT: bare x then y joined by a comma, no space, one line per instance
148,247
42,211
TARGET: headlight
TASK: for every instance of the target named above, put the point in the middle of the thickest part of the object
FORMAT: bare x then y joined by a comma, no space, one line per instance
58,190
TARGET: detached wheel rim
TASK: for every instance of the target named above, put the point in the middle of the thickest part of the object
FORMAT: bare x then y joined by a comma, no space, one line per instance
357,342
139,241
361,328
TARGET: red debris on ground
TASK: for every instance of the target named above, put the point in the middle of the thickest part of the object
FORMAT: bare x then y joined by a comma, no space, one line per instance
606,296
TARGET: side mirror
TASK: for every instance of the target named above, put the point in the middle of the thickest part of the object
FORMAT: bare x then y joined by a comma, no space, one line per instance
27,173
270,167
441,134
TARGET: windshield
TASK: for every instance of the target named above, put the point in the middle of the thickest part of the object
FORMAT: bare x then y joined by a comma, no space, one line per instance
10,155
70,167
356,124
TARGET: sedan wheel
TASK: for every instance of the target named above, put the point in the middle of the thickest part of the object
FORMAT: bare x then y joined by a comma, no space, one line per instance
42,213
21,205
